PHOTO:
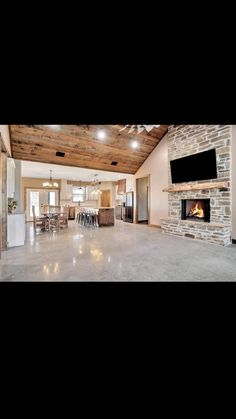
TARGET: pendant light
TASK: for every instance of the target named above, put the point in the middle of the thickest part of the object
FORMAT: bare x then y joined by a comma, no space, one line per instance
50,183
95,185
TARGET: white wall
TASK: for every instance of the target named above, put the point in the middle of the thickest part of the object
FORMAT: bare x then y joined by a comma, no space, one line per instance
156,166
4,130
234,182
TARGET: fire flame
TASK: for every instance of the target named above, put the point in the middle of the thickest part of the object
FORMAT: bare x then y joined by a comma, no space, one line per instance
196,212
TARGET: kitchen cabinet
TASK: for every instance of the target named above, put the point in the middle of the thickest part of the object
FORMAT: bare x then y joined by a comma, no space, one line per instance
129,207
106,217
10,178
89,195
121,186
118,212
71,213
66,191
15,230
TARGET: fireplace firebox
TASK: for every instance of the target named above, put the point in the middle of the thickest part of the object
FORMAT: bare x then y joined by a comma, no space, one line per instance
196,210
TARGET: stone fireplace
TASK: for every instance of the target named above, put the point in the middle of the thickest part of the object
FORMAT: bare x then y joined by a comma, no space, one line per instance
200,209
195,210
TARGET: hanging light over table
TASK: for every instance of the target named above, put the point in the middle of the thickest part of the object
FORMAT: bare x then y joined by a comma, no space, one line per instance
50,183
95,185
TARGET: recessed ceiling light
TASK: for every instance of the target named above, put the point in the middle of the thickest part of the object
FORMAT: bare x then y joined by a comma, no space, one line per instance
134,144
101,134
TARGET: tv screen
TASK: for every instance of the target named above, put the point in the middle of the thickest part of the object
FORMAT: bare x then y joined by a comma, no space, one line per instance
200,166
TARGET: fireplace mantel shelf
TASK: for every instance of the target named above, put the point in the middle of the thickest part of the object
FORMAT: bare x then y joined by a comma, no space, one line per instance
199,186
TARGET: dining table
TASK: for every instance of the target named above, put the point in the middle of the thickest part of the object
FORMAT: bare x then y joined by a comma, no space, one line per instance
52,215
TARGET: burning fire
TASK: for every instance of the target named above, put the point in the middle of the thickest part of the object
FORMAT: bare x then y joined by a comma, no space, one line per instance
196,212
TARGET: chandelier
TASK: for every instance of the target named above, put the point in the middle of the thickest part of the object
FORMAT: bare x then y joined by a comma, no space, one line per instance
140,128
50,183
95,185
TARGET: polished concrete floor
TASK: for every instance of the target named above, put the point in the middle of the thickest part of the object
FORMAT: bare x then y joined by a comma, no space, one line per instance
126,252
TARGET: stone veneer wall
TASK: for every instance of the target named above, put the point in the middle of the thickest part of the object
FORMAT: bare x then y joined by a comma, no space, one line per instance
184,140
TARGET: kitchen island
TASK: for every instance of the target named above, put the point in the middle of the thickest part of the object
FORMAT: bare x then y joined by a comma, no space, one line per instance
106,215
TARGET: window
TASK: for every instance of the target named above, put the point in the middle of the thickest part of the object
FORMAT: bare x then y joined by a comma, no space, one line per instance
78,194
52,198
34,200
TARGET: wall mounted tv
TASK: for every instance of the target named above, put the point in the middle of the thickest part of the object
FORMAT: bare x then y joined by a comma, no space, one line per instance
200,166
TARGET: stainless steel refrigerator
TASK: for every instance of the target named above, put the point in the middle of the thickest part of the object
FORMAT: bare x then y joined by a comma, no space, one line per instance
129,207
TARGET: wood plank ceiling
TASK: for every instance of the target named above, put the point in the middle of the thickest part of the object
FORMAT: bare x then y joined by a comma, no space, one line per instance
83,147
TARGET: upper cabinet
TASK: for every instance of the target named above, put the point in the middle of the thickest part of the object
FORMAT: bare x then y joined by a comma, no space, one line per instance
10,178
89,195
121,189
66,191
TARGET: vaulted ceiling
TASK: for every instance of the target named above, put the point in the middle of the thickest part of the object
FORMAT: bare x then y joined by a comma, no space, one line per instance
87,146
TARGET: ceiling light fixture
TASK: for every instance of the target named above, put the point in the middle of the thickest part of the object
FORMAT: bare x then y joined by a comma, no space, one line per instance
101,134
140,128
50,183
134,144
95,185
55,127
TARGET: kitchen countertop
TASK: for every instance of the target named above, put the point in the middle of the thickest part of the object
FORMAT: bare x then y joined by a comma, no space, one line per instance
16,213
96,207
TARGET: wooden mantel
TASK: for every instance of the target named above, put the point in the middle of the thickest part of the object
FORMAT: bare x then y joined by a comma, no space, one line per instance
195,187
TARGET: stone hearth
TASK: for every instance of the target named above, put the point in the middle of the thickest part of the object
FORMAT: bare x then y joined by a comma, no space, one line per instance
212,232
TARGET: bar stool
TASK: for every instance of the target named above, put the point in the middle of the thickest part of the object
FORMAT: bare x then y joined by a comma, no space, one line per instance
92,220
96,219
87,219
83,218
79,217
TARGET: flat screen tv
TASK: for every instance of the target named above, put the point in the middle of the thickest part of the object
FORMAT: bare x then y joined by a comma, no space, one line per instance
200,166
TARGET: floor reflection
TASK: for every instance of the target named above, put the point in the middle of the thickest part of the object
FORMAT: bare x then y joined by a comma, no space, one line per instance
97,254
51,268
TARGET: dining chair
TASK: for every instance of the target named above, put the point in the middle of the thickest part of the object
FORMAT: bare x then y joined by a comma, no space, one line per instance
39,221
63,218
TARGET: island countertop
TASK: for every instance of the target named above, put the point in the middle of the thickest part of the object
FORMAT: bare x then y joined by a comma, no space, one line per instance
95,207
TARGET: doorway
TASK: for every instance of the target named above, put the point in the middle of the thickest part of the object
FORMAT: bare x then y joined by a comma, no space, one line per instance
106,198
142,200
38,197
